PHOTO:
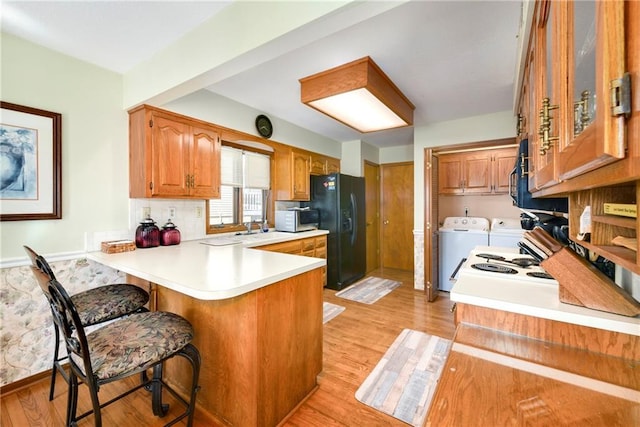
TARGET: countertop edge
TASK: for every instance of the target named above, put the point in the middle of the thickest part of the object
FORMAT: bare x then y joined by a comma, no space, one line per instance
204,286
566,313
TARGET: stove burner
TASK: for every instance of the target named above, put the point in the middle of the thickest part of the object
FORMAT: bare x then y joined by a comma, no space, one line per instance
491,256
494,268
525,262
540,275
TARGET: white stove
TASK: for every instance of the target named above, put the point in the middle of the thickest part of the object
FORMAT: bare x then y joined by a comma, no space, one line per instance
504,264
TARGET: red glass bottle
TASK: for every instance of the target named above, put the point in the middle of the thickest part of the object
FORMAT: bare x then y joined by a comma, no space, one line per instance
169,235
147,234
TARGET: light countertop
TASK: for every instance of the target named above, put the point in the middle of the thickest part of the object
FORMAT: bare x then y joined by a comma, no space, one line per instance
209,272
535,299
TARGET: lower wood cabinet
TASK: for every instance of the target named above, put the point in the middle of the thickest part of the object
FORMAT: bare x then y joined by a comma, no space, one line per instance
261,351
499,379
512,369
315,247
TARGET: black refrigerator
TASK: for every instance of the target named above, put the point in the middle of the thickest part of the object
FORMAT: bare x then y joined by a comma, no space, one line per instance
339,199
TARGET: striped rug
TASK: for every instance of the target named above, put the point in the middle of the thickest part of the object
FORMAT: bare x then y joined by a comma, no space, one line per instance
368,290
404,380
329,311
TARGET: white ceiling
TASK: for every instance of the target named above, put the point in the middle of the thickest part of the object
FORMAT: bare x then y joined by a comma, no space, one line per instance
452,59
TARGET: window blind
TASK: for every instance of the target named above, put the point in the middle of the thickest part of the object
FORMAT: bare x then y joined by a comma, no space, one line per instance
244,169
231,166
256,170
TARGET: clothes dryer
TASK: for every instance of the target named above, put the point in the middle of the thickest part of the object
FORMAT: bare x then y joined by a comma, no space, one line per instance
505,232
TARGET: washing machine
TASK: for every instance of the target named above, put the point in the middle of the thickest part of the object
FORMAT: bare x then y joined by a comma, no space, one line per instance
505,232
457,237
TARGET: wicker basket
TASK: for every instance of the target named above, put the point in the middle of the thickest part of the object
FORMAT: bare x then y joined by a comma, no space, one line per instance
117,246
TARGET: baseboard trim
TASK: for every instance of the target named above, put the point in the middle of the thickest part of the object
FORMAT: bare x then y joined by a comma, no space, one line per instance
24,383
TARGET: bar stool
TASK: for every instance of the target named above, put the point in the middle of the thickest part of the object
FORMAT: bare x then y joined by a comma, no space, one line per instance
127,346
94,306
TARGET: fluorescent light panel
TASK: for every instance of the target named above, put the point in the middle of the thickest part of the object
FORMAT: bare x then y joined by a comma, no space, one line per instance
358,94
360,110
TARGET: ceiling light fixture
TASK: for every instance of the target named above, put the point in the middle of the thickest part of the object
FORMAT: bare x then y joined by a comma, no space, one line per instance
358,94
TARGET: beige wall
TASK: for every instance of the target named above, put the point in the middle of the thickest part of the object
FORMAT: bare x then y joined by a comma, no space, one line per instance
95,181
471,129
498,206
95,149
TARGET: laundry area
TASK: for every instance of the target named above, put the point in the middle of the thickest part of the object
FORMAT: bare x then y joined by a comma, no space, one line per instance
458,236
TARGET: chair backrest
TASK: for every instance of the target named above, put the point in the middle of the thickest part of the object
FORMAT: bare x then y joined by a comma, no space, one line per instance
39,262
66,317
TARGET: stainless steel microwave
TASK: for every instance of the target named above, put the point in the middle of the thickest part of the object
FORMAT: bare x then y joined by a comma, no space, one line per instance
296,220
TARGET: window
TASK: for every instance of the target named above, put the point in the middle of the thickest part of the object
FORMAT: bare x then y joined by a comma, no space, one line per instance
245,179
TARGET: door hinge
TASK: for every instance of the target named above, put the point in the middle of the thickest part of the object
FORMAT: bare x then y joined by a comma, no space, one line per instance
621,95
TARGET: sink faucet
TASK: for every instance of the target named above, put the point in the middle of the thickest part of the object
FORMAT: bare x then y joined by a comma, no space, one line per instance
248,225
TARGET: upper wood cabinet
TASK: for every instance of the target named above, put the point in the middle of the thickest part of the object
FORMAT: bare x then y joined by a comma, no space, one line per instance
294,168
292,174
543,147
323,165
575,72
592,121
476,172
598,157
172,156
503,161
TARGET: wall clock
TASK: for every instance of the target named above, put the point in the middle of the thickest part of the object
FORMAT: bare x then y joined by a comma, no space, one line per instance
264,126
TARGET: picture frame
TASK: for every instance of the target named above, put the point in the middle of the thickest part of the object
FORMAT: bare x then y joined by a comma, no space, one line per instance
30,163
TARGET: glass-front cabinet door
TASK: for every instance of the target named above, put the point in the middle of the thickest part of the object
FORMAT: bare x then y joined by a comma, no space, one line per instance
544,132
593,125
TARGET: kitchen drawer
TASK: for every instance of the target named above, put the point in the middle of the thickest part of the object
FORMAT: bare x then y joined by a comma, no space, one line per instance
291,247
310,253
308,245
321,252
321,242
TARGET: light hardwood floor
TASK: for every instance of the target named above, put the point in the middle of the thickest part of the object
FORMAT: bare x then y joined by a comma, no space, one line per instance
354,342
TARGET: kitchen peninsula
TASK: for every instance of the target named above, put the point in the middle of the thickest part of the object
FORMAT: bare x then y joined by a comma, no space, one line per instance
257,317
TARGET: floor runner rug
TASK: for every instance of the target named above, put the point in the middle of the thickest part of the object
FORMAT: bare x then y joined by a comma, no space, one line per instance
368,290
329,311
404,380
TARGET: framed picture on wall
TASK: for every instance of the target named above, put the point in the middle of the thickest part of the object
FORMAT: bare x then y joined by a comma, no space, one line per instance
30,163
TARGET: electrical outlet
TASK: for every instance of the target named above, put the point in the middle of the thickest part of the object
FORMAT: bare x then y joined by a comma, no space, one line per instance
172,212
198,212
146,212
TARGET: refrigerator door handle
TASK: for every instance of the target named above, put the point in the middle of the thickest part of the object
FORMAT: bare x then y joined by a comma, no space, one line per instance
354,214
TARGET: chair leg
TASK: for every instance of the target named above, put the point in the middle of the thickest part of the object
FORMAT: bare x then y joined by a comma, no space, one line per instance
192,354
54,367
159,409
95,401
72,399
